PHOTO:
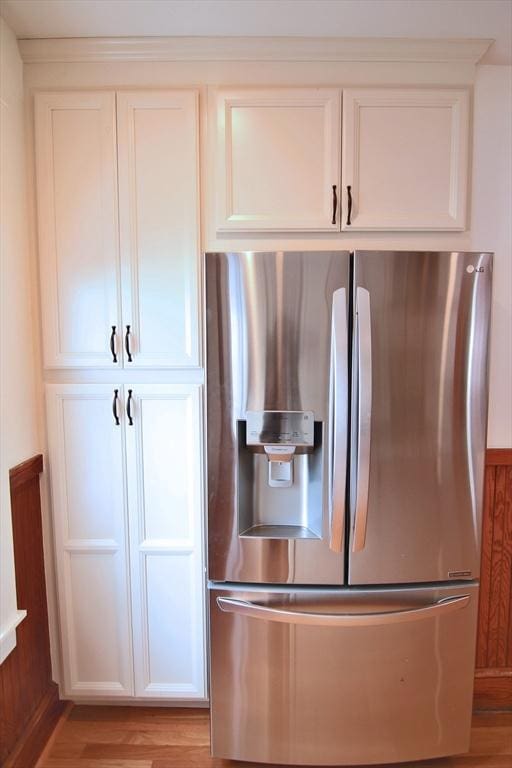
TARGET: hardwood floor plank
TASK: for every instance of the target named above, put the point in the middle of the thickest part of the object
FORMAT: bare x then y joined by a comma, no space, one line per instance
72,763
492,741
87,732
143,751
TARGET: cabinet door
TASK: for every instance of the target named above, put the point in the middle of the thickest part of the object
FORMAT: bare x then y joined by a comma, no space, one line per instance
164,459
77,226
404,159
278,159
88,482
159,225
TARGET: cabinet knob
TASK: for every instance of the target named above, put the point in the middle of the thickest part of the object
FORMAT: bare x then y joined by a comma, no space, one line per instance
349,211
127,343
334,203
114,407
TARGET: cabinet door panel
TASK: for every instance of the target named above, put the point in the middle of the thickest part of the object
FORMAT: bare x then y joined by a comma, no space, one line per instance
89,505
164,458
159,225
405,155
277,159
77,226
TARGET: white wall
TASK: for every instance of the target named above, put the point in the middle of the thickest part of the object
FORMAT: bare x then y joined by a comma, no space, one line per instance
18,403
492,230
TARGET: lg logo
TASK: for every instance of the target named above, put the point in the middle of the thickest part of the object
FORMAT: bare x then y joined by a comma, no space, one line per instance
470,268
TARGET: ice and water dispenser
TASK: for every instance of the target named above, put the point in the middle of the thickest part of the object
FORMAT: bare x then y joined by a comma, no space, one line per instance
280,475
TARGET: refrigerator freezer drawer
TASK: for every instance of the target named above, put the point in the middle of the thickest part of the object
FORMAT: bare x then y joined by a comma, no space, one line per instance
341,676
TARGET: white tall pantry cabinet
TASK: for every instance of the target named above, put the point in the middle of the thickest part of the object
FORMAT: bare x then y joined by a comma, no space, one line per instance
118,217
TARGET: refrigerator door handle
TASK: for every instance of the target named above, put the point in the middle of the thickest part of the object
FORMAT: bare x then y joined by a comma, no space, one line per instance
255,611
364,415
338,417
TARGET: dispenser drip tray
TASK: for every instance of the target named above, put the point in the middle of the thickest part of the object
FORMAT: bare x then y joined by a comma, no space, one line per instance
280,532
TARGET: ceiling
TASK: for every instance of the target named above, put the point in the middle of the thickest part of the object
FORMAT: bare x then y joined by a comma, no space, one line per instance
331,18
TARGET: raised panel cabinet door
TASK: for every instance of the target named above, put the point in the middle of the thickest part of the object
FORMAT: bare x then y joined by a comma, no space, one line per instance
159,226
164,459
77,229
404,159
87,467
278,159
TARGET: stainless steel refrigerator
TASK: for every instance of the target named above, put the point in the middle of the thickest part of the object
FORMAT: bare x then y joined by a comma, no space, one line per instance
347,409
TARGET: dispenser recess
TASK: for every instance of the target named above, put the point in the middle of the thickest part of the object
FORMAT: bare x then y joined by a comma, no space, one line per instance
280,475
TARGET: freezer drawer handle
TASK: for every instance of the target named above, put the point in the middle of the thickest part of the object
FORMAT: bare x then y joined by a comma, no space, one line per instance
338,417
364,415
254,611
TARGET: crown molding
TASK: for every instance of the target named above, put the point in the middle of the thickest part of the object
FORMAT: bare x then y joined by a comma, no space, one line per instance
97,49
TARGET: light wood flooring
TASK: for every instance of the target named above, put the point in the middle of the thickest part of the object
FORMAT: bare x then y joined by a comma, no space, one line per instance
155,737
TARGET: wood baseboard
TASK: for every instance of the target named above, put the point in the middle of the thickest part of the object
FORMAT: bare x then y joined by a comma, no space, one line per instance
498,457
492,690
37,731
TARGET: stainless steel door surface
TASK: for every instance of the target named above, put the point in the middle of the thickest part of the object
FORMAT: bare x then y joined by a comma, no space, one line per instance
419,415
276,340
341,677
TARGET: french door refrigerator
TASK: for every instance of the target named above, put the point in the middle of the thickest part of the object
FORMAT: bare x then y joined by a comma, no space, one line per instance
346,402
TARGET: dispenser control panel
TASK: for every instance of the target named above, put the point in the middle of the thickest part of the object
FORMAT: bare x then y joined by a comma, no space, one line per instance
280,428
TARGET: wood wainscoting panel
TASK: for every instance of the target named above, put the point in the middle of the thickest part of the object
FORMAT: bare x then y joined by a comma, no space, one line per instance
29,701
493,678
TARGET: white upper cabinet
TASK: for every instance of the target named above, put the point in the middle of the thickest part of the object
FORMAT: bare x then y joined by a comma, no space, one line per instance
278,159
159,225
77,223
87,471
86,212
165,500
404,159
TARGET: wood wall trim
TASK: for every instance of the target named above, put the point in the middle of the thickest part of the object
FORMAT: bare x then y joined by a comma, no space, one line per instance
493,693
29,700
498,457
37,731
26,471
493,675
